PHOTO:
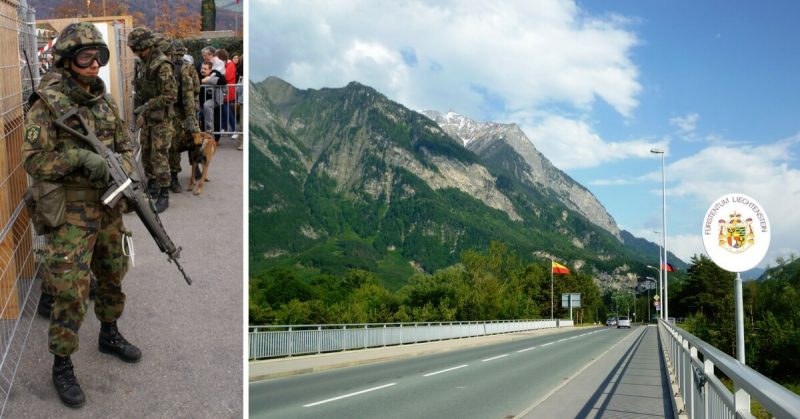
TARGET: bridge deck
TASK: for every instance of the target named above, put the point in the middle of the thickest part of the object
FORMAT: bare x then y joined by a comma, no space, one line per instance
626,382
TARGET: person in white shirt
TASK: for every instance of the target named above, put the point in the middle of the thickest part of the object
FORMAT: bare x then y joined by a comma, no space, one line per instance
209,55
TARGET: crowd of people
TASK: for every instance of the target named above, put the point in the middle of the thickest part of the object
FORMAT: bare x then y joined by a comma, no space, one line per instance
70,179
197,96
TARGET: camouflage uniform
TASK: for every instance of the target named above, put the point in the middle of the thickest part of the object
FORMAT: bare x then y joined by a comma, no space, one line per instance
185,121
156,92
89,238
69,178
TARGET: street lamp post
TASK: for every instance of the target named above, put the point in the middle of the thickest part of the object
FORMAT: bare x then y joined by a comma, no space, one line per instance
663,262
648,279
660,292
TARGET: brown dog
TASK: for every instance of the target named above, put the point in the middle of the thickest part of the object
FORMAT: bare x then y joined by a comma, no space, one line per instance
205,148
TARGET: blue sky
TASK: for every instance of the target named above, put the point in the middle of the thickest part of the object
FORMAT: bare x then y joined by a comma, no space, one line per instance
594,84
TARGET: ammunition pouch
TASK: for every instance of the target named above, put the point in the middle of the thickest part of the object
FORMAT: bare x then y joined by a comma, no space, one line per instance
47,206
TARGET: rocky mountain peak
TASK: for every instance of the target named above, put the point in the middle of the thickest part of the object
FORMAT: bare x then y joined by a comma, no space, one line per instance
486,139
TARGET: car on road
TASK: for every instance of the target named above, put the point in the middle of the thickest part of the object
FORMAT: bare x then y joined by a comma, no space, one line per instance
624,322
611,322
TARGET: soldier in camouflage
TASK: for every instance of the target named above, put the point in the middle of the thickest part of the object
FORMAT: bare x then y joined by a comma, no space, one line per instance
185,121
68,181
156,92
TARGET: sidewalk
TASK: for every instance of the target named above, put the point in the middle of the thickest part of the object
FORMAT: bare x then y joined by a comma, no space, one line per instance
284,367
627,381
190,336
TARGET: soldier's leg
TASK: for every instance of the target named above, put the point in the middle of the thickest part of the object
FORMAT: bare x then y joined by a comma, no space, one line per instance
162,139
109,265
147,160
177,146
68,262
45,306
161,142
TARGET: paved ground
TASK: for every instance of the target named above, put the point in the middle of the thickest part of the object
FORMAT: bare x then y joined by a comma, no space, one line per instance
285,367
190,336
626,382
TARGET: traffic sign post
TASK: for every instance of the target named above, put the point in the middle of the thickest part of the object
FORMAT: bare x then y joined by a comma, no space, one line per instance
736,235
571,300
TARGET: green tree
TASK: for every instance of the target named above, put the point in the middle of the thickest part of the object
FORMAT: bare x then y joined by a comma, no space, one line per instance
707,297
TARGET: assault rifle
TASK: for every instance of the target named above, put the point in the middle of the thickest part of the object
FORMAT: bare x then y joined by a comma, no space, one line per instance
124,186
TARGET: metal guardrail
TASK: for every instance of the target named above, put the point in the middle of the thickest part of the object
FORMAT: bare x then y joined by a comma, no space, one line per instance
290,340
704,395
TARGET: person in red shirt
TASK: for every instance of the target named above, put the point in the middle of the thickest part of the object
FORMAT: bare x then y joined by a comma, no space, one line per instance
228,108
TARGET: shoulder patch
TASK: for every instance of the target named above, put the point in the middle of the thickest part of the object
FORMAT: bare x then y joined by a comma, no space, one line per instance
32,133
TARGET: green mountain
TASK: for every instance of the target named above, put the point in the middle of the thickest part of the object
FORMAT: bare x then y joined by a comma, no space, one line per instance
345,178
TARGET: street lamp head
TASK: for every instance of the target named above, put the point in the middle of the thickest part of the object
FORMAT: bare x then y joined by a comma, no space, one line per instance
656,151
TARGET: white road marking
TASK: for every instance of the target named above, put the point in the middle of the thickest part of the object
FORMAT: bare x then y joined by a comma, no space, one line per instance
449,369
492,359
349,395
527,349
548,343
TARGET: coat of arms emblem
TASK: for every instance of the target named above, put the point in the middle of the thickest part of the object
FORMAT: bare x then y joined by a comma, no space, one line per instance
736,236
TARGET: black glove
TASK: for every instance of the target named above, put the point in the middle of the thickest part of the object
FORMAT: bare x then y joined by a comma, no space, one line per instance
94,164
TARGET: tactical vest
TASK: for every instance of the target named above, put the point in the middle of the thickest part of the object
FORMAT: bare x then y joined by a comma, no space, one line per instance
102,118
147,84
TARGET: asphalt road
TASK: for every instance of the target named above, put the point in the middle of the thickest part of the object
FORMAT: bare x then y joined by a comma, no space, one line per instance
494,381
190,336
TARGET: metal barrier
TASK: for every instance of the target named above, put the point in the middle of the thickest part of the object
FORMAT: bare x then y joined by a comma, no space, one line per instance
222,106
691,363
19,72
285,340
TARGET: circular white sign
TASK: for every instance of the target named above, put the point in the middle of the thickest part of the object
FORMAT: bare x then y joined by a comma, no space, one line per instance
736,232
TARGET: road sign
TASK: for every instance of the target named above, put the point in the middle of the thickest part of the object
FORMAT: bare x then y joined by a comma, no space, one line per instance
736,236
574,298
656,297
736,232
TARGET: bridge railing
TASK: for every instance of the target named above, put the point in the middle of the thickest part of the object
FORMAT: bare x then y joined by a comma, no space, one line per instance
692,364
289,340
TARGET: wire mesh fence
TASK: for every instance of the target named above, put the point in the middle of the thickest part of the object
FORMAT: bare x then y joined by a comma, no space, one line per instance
19,73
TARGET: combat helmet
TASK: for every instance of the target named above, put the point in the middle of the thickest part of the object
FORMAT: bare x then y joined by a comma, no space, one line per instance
142,38
76,36
176,47
164,44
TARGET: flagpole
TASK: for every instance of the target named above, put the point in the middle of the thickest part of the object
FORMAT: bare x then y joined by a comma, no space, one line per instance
551,289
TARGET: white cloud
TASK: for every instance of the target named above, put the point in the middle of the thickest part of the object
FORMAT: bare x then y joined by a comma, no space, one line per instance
475,56
686,125
572,144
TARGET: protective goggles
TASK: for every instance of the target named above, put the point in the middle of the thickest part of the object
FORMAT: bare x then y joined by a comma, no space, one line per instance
84,57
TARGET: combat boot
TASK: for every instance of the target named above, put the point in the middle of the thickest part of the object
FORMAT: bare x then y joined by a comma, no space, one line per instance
174,185
112,342
69,391
163,200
